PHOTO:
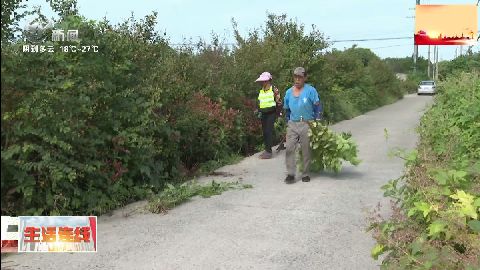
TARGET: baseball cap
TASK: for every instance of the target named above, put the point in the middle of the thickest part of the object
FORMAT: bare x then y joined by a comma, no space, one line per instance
299,71
265,76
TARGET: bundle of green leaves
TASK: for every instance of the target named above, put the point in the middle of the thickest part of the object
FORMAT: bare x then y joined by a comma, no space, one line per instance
330,149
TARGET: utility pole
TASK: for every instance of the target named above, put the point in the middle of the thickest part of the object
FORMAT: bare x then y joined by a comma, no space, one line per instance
428,70
433,61
436,65
415,48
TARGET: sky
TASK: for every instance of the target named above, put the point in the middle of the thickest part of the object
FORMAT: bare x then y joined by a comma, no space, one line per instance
338,20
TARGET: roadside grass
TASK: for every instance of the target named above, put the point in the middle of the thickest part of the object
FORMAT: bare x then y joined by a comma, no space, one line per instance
212,165
173,196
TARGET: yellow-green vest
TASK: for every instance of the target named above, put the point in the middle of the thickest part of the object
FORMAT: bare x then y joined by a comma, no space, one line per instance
266,98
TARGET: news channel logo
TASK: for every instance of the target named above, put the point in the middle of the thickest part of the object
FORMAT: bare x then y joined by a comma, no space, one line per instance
38,31
49,234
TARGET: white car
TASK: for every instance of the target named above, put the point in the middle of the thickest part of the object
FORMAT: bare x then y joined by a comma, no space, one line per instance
426,87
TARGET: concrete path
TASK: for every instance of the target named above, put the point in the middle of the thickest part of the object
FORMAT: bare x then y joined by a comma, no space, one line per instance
316,225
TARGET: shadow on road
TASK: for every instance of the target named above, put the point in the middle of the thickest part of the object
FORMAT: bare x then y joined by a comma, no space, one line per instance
346,173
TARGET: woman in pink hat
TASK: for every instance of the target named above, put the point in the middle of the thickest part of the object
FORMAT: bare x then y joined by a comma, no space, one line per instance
268,102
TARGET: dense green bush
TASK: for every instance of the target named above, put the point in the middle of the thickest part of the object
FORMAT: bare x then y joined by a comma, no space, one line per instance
405,65
463,63
93,131
81,136
436,224
352,82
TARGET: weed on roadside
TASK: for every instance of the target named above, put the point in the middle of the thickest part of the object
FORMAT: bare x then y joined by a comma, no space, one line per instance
173,196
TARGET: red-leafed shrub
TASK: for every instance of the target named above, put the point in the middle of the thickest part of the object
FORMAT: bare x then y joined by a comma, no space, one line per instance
213,111
208,130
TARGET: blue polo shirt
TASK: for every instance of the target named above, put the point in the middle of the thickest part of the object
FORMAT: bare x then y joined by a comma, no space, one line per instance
303,105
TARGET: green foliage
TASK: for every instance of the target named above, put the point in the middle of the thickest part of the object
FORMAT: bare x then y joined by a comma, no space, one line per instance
212,165
12,12
82,137
464,63
64,8
405,65
352,82
436,216
453,121
377,251
173,196
330,149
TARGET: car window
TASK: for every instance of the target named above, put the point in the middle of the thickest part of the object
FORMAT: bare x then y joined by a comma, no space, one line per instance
427,83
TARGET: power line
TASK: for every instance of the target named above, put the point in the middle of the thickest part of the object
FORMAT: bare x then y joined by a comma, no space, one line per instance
391,46
332,41
194,44
369,39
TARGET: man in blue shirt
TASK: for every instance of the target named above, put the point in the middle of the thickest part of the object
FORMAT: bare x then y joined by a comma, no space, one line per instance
302,105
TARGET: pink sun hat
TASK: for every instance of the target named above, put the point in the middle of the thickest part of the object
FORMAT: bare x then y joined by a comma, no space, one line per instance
265,76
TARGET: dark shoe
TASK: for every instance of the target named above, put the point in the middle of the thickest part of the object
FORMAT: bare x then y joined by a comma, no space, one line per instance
266,155
281,147
290,179
306,179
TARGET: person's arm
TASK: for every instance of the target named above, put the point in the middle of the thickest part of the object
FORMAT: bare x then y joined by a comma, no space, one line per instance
317,105
257,111
287,114
317,111
257,107
285,107
278,101
278,98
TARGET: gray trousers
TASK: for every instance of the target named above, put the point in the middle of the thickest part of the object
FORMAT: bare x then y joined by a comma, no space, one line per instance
297,132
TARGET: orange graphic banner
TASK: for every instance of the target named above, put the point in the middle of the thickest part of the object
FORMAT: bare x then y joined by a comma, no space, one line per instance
446,24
